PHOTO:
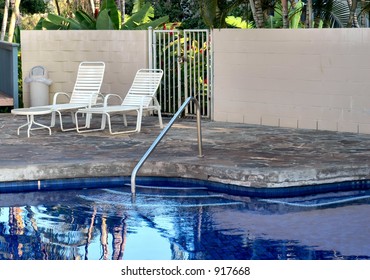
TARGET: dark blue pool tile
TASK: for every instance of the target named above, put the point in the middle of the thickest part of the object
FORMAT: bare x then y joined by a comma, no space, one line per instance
114,182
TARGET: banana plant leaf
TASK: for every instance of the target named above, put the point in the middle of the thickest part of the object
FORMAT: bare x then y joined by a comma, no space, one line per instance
109,17
85,20
55,22
108,4
140,17
154,24
295,15
238,22
103,21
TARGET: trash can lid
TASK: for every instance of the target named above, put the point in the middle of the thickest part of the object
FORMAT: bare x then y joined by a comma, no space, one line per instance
38,74
38,71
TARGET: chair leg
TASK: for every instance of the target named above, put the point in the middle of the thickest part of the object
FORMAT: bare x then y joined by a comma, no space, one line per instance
109,123
88,120
73,119
76,122
139,119
86,128
61,122
157,107
137,128
103,121
52,123
160,118
124,120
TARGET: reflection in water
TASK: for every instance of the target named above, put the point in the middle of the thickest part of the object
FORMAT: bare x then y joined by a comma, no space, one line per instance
104,224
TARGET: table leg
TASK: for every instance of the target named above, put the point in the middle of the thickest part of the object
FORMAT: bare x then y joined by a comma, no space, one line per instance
39,124
30,122
23,125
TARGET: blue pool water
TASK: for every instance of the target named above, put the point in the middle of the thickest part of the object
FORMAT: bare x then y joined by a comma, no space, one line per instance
176,222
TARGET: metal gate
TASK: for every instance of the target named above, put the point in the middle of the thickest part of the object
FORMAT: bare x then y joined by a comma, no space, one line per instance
186,59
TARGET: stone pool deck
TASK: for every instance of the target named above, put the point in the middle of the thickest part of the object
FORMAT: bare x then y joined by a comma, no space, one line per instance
240,154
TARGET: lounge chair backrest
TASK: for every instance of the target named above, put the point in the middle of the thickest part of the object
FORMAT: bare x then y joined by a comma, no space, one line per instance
145,84
88,82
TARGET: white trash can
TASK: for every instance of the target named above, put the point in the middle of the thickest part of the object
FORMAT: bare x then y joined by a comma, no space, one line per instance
39,86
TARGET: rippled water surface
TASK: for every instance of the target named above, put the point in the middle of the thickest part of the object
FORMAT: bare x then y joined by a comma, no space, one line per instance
189,223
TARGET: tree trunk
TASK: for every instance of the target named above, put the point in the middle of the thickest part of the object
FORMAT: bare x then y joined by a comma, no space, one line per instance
92,6
123,10
256,7
121,7
253,8
57,6
284,5
13,20
352,21
309,14
363,14
5,20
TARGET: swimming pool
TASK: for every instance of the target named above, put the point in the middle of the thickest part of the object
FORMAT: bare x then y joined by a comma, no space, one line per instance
177,221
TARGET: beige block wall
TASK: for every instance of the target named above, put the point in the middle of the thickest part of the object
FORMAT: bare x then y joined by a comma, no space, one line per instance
315,79
60,52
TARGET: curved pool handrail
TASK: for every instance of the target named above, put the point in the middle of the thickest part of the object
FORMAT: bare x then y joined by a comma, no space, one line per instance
163,133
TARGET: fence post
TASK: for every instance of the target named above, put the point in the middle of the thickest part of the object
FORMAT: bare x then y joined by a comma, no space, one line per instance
9,71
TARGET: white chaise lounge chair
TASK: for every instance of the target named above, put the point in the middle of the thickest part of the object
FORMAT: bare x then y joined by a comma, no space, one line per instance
140,97
85,92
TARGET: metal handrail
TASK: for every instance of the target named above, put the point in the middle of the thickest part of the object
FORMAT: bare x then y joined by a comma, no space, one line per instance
163,133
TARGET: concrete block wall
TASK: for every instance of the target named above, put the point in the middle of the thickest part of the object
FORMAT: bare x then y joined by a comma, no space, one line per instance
315,79
60,52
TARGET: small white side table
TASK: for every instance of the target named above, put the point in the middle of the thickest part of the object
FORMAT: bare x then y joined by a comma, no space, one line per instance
31,113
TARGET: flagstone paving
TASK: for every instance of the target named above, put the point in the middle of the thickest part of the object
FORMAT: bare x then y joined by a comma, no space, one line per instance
240,154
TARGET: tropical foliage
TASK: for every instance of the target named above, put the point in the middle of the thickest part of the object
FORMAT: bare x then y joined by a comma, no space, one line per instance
284,13
108,18
117,14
